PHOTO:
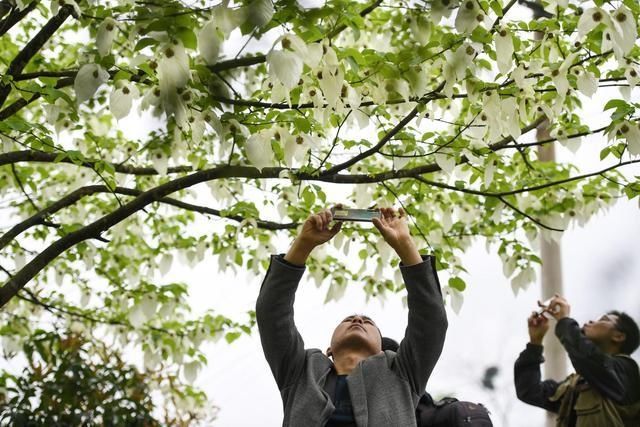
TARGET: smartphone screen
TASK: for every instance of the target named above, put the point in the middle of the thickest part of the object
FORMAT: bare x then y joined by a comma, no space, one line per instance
344,214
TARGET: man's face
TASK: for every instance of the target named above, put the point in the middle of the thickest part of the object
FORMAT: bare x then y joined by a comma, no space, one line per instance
603,331
356,332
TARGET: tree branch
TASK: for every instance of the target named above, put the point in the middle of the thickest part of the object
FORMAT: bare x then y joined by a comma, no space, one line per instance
40,261
43,157
16,16
78,194
31,48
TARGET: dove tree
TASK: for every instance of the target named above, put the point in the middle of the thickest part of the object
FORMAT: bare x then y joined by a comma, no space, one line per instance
269,110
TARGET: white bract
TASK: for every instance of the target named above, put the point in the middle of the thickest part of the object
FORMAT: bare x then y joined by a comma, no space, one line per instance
442,9
106,33
121,99
504,50
456,66
286,67
286,64
88,80
621,32
258,149
587,82
469,16
210,39
260,12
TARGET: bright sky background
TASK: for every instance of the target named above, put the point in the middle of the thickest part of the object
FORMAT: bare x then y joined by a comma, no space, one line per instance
601,272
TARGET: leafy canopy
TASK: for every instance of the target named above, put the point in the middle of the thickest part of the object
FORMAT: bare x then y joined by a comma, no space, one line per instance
266,111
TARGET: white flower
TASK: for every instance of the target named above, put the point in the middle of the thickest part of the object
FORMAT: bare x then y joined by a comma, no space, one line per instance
165,263
504,50
591,18
160,162
228,17
559,76
631,132
560,134
106,33
286,66
456,66
420,29
468,17
173,68
148,305
331,80
489,169
335,292
625,31
258,149
314,54
442,9
587,81
88,80
260,12
445,160
296,147
209,41
632,75
455,297
523,279
510,119
121,99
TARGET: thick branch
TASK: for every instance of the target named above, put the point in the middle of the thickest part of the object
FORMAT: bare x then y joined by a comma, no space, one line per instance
40,156
16,16
397,128
76,195
93,230
34,45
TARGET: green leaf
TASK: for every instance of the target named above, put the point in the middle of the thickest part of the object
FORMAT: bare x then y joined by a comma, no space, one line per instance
615,103
457,284
187,37
232,336
144,42
496,7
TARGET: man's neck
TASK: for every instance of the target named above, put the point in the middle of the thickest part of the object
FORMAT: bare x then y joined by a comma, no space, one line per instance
346,362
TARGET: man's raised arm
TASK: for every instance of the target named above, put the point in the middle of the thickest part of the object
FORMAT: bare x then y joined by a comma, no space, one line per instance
427,325
281,342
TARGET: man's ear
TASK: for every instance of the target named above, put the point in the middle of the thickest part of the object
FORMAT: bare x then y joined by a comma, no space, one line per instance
618,337
329,352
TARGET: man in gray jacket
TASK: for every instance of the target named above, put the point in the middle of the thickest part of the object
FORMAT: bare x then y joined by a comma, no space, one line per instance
362,386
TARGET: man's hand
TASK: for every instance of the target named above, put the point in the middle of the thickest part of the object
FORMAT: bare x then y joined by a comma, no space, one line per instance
395,231
538,327
315,231
558,307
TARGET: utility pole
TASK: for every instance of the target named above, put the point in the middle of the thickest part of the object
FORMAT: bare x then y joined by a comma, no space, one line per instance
551,282
550,252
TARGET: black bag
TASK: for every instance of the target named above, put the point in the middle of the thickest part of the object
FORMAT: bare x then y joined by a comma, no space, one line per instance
451,412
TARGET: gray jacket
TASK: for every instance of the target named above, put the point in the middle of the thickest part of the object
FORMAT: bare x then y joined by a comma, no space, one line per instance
384,388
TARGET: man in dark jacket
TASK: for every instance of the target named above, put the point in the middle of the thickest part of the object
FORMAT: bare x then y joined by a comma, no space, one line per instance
355,384
605,390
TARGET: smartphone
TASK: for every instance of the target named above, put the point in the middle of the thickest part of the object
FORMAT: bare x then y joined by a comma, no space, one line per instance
544,307
345,214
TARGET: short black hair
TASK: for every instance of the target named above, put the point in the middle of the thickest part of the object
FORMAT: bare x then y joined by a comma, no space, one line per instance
389,344
629,327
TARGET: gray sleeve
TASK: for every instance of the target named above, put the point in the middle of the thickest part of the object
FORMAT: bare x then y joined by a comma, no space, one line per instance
427,326
281,342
